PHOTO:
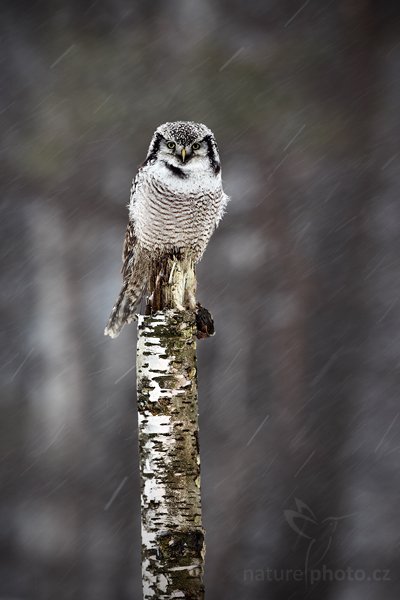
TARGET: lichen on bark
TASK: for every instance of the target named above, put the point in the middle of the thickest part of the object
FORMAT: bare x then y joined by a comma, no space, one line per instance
172,534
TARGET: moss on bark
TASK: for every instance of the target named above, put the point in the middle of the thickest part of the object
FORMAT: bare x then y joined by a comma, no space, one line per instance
172,534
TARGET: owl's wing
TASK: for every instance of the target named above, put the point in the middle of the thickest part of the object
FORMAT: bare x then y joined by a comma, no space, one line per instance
116,319
128,251
135,275
129,247
130,293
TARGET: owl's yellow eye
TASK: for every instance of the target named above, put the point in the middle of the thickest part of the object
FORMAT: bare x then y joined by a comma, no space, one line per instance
171,145
195,146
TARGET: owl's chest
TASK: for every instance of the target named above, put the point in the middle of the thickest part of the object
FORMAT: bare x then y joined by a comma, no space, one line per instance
173,213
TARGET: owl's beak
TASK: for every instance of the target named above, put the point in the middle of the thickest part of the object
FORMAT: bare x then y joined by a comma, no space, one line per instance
183,153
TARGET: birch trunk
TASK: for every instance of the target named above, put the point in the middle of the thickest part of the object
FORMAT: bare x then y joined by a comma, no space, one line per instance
172,535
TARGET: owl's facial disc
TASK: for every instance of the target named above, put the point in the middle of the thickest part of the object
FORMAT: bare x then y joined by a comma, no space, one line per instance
184,143
191,152
180,152
186,146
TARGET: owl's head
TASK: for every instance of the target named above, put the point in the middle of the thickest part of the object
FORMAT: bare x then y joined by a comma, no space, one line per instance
183,143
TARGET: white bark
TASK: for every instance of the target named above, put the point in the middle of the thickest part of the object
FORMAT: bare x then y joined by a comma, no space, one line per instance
172,534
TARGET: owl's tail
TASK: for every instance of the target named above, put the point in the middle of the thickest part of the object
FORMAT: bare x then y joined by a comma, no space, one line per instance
129,298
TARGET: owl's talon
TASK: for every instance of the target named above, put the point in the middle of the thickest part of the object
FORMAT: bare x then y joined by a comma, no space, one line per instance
204,323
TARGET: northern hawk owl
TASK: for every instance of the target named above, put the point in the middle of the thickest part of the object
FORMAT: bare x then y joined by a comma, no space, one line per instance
176,202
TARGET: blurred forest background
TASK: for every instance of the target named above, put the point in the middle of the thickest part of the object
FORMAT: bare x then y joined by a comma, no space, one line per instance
299,388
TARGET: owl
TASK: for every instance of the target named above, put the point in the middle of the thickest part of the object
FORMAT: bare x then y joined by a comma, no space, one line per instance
176,202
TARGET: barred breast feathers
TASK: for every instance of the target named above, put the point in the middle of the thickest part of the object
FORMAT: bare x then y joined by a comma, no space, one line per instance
183,216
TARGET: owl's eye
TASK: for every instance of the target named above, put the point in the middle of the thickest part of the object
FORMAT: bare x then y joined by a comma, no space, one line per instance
196,146
171,145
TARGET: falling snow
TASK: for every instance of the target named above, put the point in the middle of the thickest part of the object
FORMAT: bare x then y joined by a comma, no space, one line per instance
299,388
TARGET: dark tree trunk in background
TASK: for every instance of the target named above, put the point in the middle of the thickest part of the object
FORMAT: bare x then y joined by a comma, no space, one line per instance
337,320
